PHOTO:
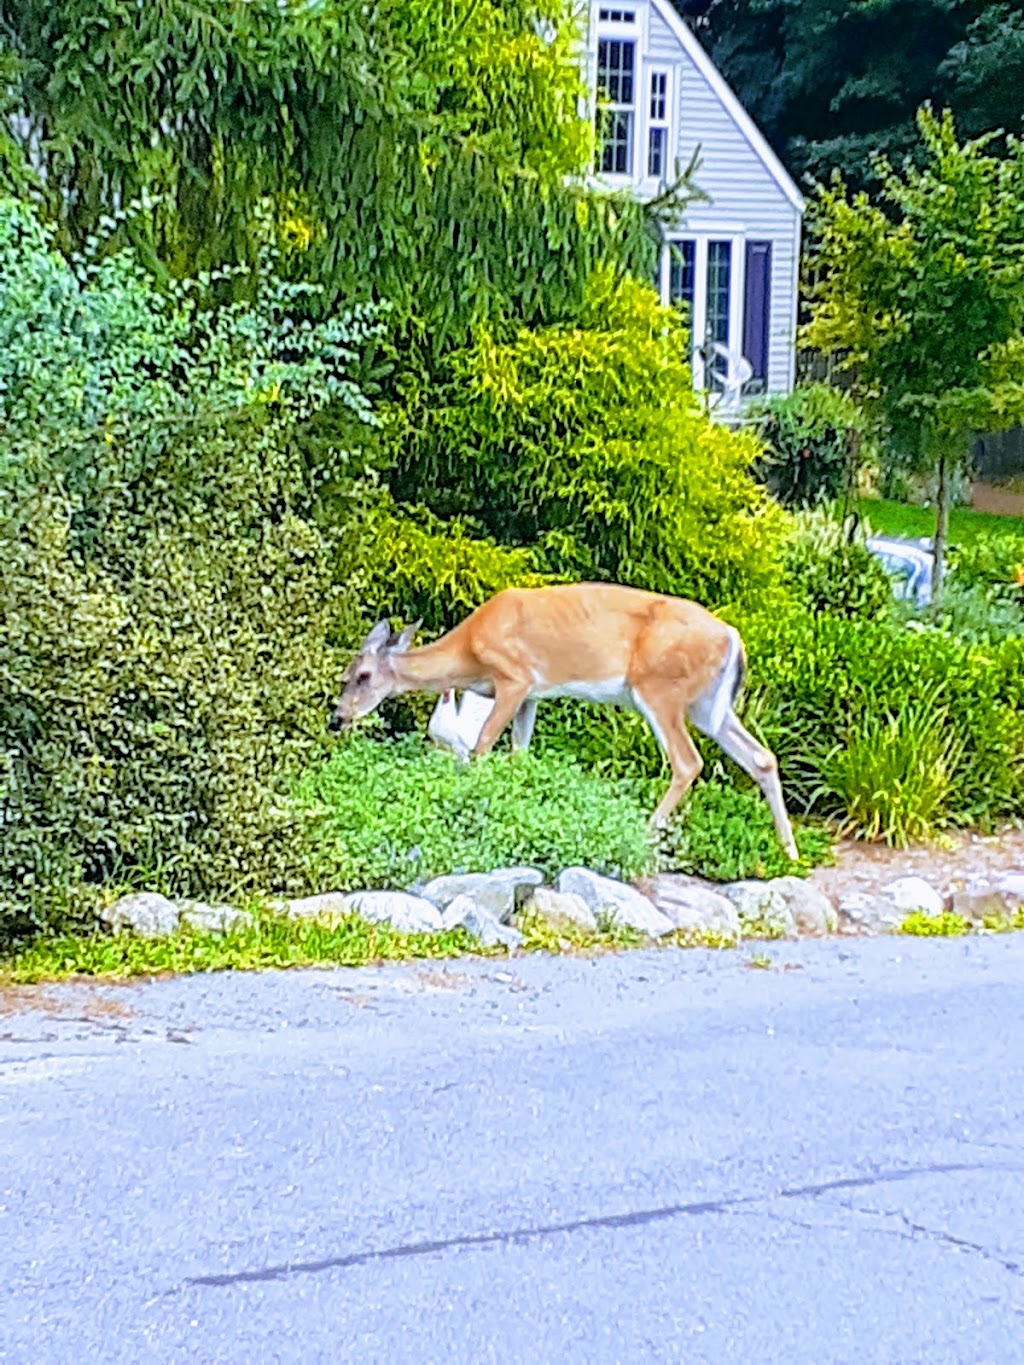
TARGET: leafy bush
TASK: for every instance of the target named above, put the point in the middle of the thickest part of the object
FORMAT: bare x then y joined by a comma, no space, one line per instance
166,597
812,437
893,778
816,682
588,446
829,568
394,813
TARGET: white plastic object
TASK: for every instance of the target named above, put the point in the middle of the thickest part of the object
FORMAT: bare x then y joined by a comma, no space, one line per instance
457,724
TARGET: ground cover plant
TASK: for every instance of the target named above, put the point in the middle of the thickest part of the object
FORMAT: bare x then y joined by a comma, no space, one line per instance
911,522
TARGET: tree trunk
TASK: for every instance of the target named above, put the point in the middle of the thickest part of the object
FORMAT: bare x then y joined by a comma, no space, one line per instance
941,527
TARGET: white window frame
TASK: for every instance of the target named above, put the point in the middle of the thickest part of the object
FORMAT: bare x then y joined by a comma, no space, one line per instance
630,32
737,237
651,71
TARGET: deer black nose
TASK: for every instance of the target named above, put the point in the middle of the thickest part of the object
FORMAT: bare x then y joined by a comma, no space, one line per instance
335,723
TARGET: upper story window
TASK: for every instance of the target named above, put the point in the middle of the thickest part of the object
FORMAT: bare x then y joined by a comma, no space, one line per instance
616,94
657,125
617,16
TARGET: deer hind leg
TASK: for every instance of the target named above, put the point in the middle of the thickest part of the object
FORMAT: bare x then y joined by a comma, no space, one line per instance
663,714
761,764
522,724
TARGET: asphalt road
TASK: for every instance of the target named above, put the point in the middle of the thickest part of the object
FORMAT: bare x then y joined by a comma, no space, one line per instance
662,1156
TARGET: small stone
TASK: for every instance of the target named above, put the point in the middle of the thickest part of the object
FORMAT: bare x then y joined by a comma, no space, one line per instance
696,907
914,893
980,902
623,903
761,907
1012,884
332,905
407,913
465,913
813,913
561,908
145,913
214,919
870,913
498,891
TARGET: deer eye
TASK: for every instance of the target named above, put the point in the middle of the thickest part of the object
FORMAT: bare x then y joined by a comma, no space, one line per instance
362,679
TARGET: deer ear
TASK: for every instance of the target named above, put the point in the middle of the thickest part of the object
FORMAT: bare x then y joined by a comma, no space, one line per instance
401,642
377,638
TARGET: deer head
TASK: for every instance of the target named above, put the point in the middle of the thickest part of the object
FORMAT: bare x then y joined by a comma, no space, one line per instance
370,677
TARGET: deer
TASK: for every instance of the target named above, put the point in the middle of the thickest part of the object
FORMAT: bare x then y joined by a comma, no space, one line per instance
667,657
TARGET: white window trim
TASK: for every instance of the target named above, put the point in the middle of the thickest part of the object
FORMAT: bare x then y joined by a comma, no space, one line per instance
635,33
652,69
726,232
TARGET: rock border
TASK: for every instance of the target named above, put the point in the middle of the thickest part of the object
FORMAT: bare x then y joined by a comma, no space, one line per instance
487,905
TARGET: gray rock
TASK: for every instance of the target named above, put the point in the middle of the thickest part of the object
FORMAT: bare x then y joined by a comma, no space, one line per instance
623,903
498,891
813,913
562,907
976,903
465,912
695,906
332,905
214,919
404,912
870,913
145,913
908,894
761,906
1012,883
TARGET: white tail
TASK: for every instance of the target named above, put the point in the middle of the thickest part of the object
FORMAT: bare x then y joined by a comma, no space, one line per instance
667,658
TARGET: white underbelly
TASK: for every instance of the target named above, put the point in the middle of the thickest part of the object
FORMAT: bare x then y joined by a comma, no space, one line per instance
612,691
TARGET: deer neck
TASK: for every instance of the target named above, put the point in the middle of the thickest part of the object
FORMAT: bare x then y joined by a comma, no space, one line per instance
434,668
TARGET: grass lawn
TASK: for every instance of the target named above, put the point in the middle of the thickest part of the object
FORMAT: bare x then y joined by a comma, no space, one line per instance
913,523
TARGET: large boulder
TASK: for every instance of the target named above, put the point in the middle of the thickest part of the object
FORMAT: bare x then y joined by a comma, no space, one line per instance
330,906
499,891
466,913
214,919
762,908
561,909
870,913
407,913
908,894
145,913
813,913
695,907
623,904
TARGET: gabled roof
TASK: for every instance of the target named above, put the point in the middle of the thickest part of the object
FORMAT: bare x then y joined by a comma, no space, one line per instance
757,140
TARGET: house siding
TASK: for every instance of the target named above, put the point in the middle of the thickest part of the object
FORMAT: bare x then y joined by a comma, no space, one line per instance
746,200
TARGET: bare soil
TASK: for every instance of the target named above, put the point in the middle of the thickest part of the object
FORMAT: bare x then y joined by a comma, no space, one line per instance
949,866
1005,500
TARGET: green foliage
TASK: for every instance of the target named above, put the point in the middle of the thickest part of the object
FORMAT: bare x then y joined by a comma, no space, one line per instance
812,437
995,563
430,156
890,518
833,81
726,834
819,683
391,814
921,925
588,446
829,568
269,941
166,596
893,778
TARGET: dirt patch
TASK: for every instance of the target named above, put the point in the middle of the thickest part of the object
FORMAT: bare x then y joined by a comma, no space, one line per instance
969,858
84,1003
1004,500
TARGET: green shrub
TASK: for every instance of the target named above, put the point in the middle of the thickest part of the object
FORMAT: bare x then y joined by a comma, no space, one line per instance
829,568
394,813
166,595
812,437
588,446
893,777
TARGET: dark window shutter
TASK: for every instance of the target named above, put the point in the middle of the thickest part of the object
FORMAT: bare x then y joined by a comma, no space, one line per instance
758,306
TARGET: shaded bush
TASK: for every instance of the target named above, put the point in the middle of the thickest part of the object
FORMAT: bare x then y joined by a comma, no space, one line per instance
829,569
812,437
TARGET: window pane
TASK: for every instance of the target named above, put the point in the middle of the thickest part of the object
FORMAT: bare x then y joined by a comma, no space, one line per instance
682,275
656,152
615,154
615,71
658,88
719,280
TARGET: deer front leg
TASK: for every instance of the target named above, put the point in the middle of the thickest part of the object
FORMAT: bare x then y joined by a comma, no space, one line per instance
508,697
522,724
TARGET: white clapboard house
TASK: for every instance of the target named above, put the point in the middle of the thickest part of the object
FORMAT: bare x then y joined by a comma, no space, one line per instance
734,260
